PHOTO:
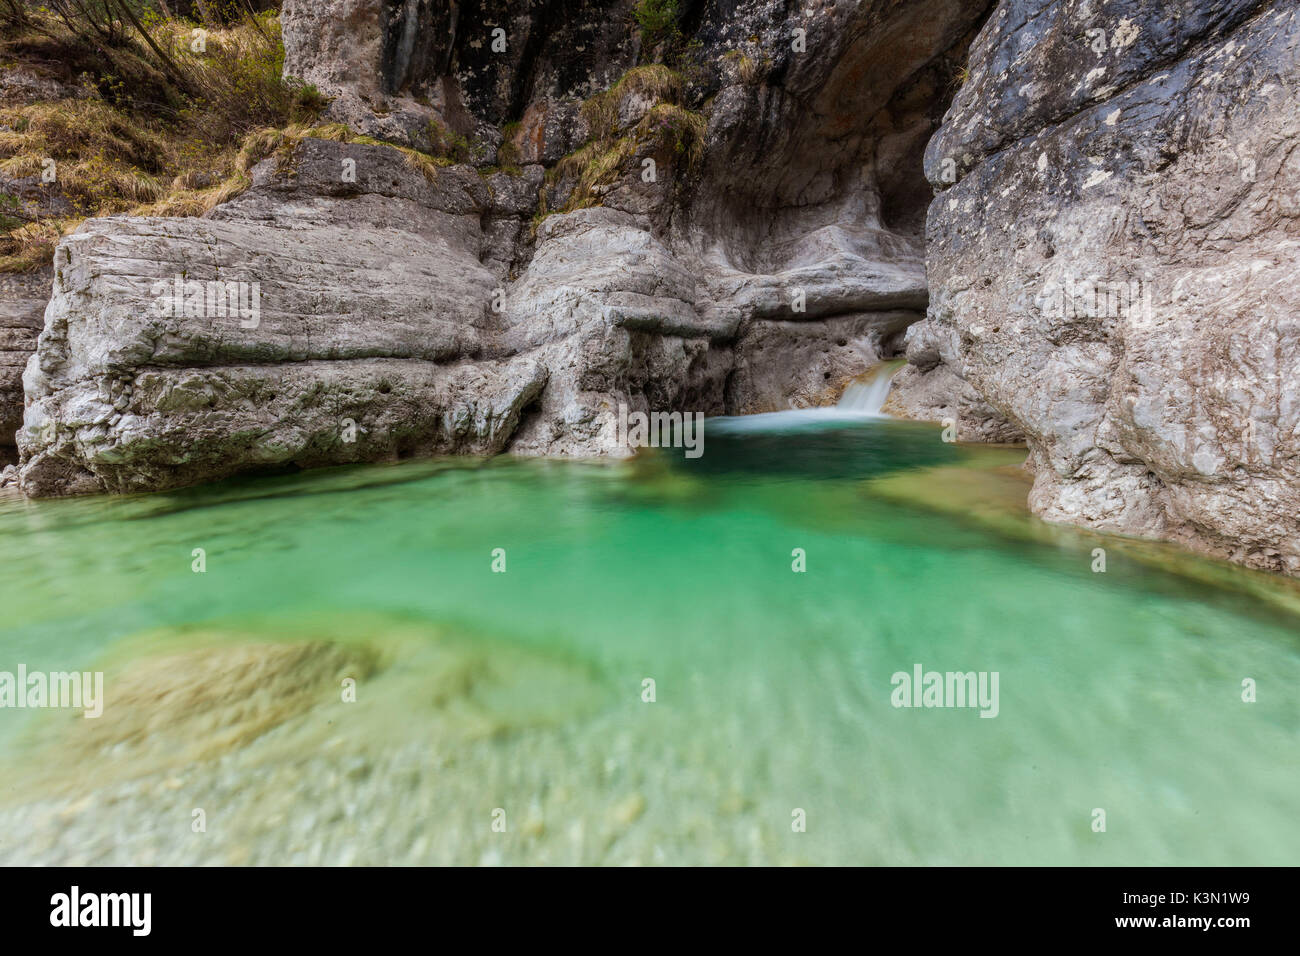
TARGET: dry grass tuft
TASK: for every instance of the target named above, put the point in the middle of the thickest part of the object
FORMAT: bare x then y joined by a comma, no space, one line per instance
144,133
666,126
263,143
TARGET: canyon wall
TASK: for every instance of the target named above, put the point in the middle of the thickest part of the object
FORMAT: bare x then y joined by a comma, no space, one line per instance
737,231
1114,265
729,216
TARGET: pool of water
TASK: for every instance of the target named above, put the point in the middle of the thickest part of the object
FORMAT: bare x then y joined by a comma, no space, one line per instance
657,661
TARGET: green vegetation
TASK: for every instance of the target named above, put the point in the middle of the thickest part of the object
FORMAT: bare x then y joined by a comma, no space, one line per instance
280,143
657,20
10,217
166,116
751,70
508,153
448,144
667,127
653,82
157,111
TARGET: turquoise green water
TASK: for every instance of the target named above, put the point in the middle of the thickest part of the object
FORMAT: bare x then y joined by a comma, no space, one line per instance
1118,691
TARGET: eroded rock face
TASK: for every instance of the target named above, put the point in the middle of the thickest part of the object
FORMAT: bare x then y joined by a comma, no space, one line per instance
22,313
370,335
928,388
1113,263
405,316
1108,266
394,66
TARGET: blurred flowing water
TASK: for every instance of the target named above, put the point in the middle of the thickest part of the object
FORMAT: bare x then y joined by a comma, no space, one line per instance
867,393
525,691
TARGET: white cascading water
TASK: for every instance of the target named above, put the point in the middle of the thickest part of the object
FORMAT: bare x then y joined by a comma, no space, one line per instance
866,394
863,398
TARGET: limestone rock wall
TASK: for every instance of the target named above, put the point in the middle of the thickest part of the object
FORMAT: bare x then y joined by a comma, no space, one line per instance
408,315
1113,260
1103,245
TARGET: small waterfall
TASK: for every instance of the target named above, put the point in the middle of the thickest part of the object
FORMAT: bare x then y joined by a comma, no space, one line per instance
866,394
862,400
